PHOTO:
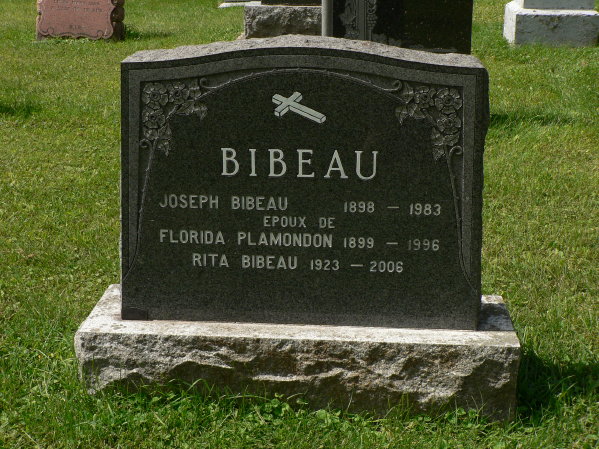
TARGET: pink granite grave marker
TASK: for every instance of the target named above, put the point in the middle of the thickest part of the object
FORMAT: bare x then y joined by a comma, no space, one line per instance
94,19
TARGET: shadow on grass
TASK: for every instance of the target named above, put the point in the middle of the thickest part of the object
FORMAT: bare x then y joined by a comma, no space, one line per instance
137,35
544,386
19,109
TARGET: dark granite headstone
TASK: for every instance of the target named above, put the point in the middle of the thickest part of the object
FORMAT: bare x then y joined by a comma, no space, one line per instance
435,25
303,180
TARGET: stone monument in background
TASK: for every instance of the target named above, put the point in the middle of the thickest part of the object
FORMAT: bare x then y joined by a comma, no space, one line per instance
443,26
302,215
433,25
93,19
551,22
270,18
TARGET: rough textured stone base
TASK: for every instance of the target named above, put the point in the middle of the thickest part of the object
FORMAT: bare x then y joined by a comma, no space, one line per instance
270,21
573,27
360,368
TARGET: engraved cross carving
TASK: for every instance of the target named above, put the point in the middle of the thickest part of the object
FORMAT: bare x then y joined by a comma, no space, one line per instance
292,103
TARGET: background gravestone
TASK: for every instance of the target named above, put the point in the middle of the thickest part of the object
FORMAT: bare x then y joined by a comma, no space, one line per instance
278,17
93,19
436,25
432,25
551,22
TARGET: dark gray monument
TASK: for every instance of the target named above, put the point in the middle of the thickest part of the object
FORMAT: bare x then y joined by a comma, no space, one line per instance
303,215
328,189
434,25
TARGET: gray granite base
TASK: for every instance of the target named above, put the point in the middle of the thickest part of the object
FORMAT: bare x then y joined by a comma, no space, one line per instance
355,368
277,20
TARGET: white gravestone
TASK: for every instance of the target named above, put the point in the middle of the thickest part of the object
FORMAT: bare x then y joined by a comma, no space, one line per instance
552,22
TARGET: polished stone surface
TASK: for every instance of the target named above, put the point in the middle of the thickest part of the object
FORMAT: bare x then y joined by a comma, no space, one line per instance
303,180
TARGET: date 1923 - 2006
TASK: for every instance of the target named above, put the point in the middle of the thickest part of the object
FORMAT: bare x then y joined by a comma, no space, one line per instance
373,266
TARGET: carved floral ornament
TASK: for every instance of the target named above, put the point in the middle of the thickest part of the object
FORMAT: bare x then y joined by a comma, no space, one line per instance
163,100
440,107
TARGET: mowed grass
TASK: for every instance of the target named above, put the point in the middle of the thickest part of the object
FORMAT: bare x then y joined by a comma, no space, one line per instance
59,231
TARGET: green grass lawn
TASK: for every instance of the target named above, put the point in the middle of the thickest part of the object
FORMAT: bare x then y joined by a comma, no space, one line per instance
59,233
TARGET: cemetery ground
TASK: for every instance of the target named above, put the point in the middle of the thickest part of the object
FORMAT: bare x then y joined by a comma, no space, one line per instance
59,234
